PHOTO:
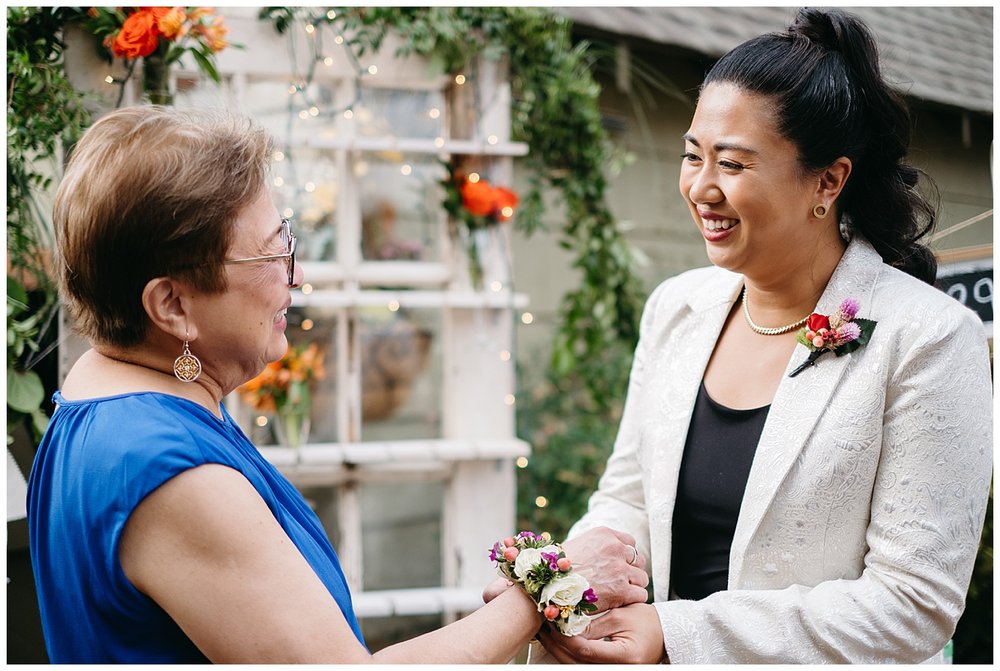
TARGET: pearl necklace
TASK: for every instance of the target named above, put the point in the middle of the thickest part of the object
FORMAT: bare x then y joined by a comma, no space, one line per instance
763,330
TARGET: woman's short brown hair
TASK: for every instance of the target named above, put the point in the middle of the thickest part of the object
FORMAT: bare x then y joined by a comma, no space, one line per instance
149,192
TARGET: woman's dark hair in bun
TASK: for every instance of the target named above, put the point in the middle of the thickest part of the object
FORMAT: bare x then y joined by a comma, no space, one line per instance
831,100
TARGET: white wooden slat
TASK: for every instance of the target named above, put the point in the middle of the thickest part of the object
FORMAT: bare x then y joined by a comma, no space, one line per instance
415,298
417,601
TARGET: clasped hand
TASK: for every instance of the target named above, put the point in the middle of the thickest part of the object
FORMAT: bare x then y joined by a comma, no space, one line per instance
630,632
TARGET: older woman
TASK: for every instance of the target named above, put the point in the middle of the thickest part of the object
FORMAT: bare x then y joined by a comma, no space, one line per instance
158,532
806,445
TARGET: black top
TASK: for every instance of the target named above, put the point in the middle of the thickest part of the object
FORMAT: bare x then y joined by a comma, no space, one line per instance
718,453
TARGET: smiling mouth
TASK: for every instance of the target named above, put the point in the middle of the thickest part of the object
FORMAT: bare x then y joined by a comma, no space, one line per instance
280,314
719,224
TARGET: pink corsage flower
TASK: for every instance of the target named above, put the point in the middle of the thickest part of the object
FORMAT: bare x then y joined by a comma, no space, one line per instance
840,333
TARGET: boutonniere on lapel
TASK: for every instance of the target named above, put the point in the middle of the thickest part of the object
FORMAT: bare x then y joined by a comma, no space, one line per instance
840,333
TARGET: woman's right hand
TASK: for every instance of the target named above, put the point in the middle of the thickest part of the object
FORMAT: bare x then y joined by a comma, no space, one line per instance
603,555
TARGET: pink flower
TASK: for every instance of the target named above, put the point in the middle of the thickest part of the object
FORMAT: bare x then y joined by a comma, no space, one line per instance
510,554
849,332
850,308
551,612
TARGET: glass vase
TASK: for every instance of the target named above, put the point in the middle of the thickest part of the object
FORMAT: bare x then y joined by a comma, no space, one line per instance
291,425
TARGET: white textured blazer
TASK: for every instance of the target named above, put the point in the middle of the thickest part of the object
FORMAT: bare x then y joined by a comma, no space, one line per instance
865,502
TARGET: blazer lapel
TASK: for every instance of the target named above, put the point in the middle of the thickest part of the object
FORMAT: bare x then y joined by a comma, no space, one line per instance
800,401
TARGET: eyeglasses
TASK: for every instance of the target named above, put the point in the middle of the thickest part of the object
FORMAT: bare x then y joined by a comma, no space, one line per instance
290,242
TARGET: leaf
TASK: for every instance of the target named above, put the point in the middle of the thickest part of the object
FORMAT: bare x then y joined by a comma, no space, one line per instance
40,421
25,392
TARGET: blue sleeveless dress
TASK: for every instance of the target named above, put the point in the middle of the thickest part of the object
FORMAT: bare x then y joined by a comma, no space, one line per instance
97,461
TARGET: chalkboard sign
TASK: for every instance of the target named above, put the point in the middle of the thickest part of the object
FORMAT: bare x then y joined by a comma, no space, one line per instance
971,284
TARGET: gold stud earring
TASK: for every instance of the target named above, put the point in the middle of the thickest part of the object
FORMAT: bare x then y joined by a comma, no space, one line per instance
187,367
820,211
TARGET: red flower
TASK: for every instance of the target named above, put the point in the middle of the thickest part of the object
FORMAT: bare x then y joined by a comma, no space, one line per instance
817,321
140,34
478,197
505,202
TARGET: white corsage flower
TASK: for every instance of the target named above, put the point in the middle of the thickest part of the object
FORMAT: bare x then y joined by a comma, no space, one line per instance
565,590
528,557
575,624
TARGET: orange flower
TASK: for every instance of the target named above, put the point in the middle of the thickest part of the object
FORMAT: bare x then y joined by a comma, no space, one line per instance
171,23
478,197
215,35
506,201
139,35
272,388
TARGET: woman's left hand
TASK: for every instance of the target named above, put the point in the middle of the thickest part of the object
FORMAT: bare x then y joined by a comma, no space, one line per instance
627,635
607,558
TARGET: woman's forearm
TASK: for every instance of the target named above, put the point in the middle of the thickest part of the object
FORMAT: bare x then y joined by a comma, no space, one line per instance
492,635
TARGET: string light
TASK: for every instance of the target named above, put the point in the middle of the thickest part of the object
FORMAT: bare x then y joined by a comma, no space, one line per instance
527,318
307,288
406,169
109,80
439,142
492,139
393,306
328,61
434,112
261,420
278,181
541,501
304,114
288,213
505,355
313,111
373,69
339,39
507,211
459,79
348,114
496,285
310,28
331,15
473,177
509,399
279,156
522,462
310,186
307,324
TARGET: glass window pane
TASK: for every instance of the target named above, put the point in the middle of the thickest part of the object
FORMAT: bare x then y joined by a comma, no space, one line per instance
400,374
399,113
401,209
290,112
305,189
401,515
316,325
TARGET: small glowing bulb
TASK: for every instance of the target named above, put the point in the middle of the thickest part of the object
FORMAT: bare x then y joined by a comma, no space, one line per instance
339,39
507,211
348,114
505,355
313,111
373,69
307,288
307,324
278,181
459,79
360,168
279,156
393,306
328,61
304,114
439,142
522,462
541,501
527,318
109,79
434,112
492,139
509,399
310,187
331,15
310,28
292,90
261,420
473,177
406,169
496,285
288,213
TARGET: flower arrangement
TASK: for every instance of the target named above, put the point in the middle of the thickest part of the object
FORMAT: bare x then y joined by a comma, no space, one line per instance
282,389
840,333
542,568
477,205
160,36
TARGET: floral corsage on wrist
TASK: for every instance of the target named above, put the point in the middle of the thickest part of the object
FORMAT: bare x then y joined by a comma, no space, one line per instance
543,570
840,333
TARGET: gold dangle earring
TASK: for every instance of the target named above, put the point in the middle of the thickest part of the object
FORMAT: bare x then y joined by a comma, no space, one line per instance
820,211
187,367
